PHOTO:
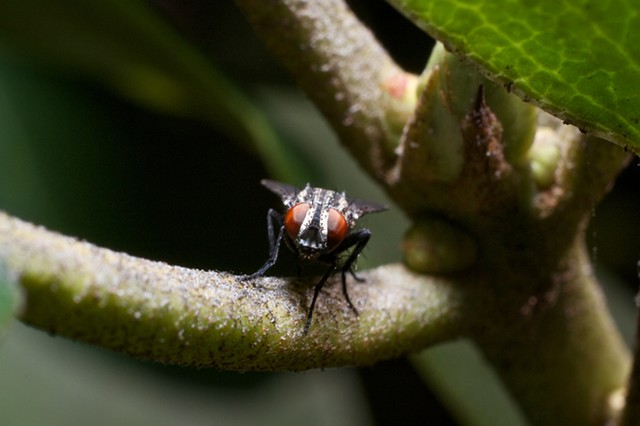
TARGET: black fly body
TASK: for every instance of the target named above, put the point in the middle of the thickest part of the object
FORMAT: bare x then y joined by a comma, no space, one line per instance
318,226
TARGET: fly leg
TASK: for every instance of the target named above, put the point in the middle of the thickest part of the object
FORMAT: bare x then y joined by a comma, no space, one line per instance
316,292
359,239
273,218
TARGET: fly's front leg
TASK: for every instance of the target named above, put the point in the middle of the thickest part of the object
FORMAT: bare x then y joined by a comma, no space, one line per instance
274,221
359,239
316,292
273,218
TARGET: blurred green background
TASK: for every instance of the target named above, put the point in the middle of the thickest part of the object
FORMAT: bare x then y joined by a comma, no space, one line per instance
86,152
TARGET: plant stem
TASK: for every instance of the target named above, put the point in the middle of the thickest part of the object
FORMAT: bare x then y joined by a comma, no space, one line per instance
205,318
341,67
551,339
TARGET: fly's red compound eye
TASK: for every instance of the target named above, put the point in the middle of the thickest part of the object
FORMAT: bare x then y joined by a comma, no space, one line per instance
337,229
294,218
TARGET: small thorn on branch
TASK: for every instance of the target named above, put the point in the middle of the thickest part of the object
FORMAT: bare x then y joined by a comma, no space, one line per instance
482,134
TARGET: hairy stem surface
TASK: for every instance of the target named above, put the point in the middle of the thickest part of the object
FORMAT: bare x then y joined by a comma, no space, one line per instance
206,318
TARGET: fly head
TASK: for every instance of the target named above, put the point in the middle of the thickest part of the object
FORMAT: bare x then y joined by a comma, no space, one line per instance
317,220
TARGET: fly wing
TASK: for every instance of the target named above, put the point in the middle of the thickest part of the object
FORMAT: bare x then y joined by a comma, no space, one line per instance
286,192
358,208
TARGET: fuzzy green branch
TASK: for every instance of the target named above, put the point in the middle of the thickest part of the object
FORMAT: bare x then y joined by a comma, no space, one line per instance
205,318
336,60
547,332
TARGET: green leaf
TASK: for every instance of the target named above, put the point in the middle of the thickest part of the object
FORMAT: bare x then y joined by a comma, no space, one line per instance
579,60
127,46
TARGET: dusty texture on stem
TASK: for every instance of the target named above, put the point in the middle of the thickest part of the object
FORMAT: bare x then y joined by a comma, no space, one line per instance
548,334
340,66
206,318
